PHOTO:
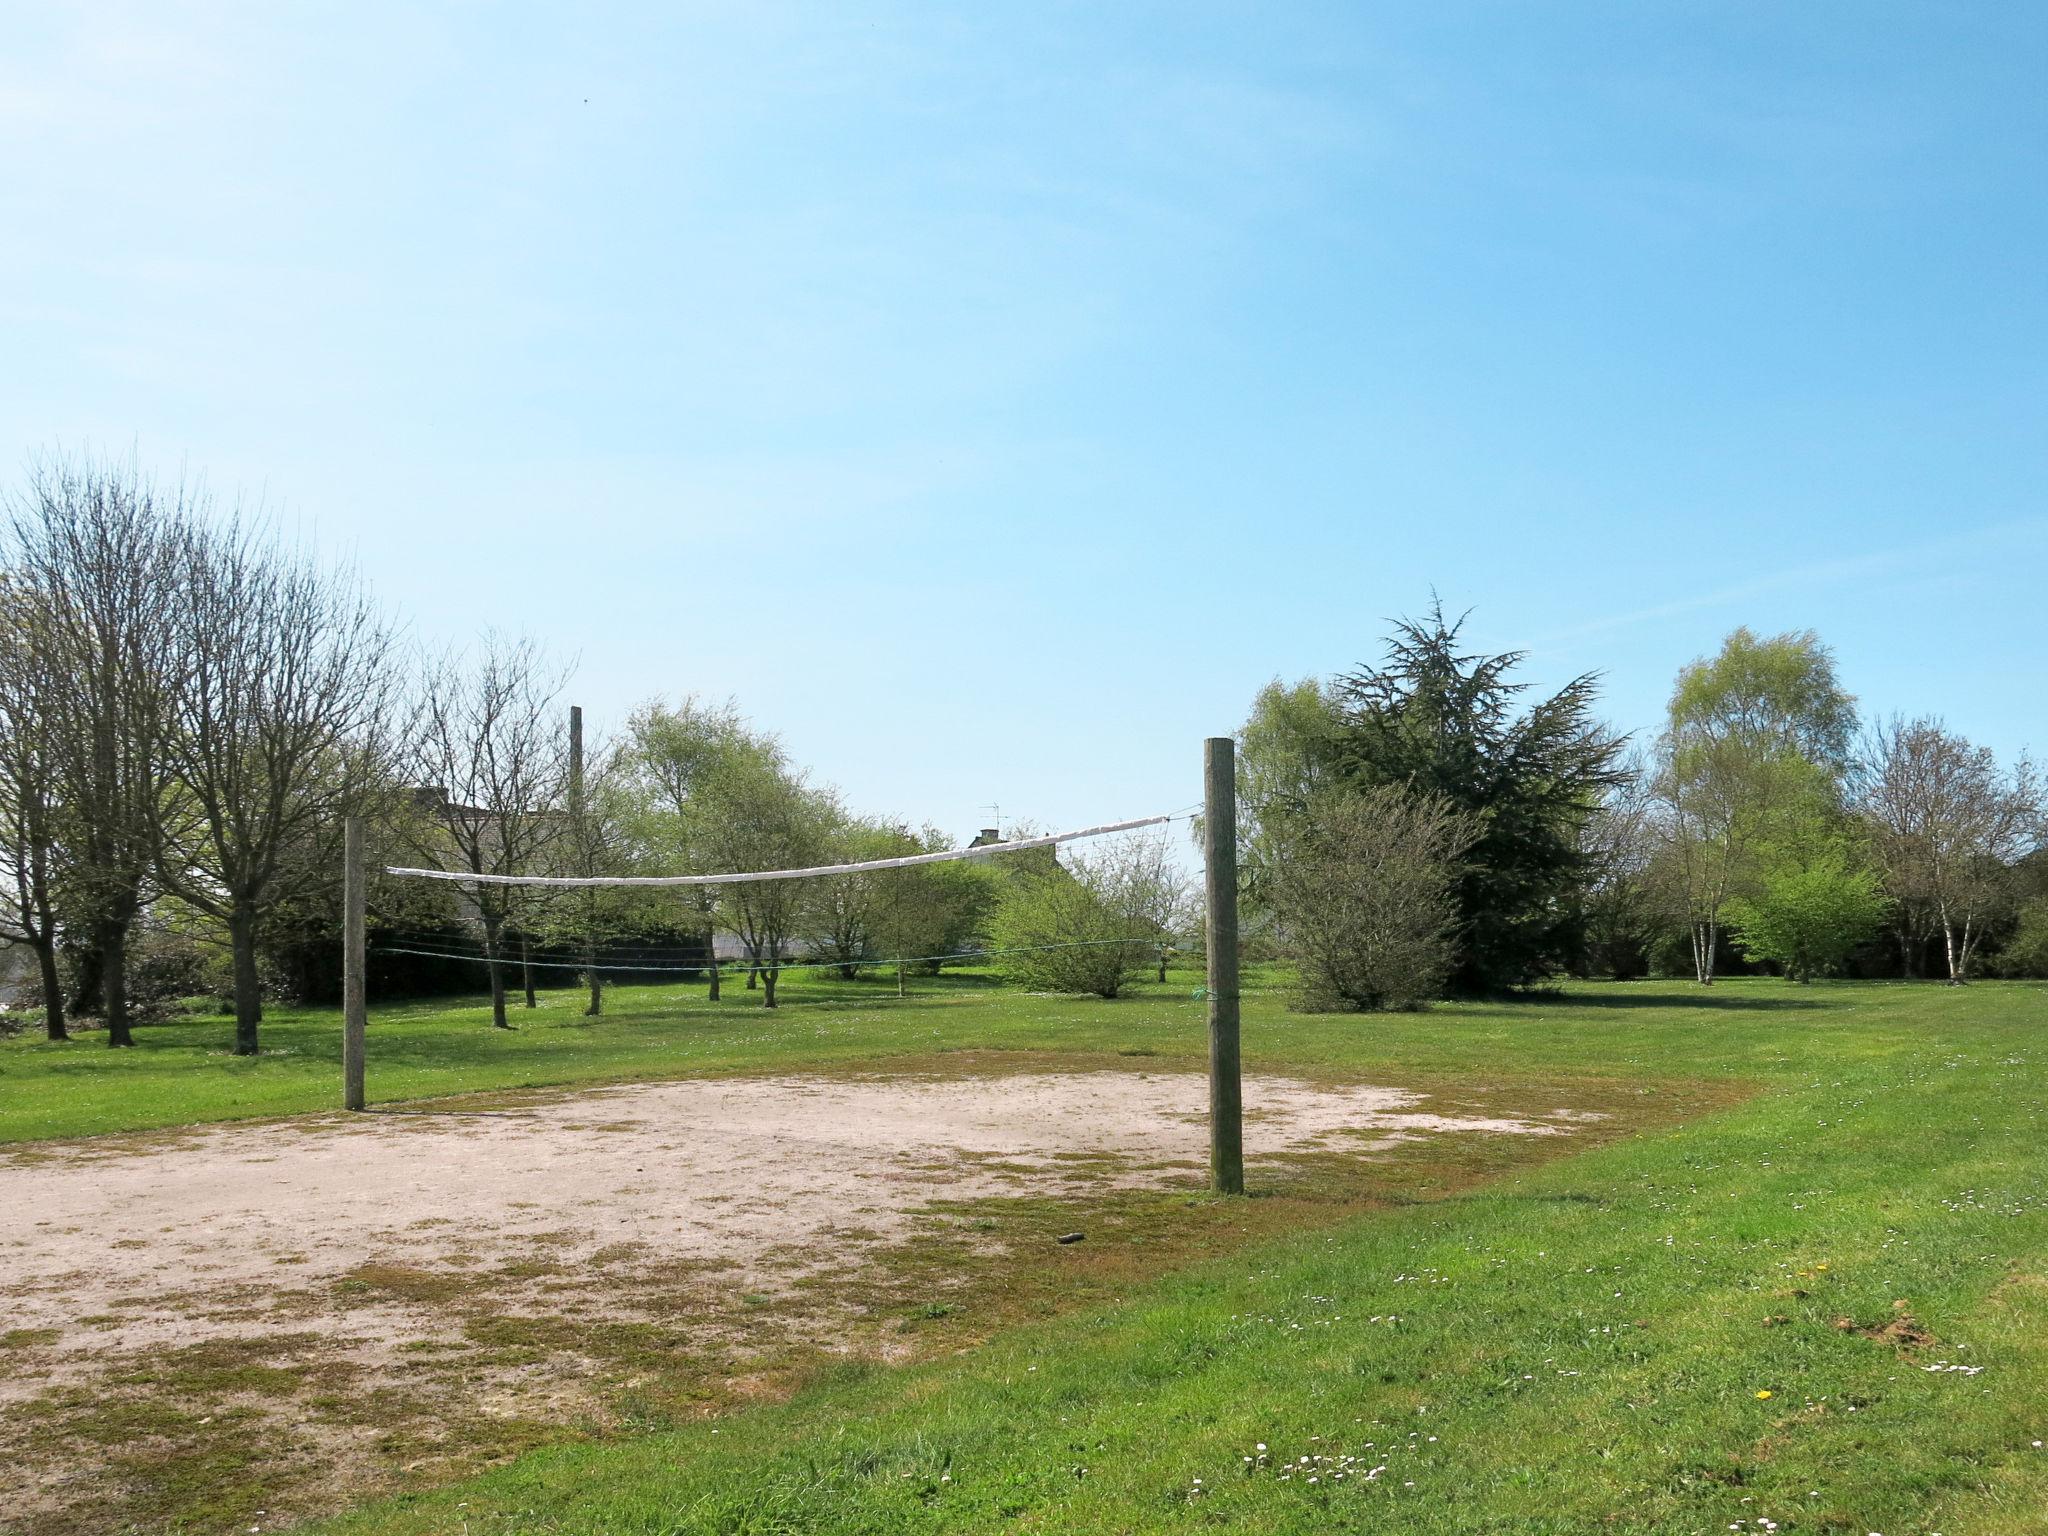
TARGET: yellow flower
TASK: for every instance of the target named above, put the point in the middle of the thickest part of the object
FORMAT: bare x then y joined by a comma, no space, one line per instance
1820,1266
1763,1394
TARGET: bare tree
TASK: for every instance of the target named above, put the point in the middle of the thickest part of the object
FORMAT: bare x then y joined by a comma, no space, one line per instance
491,761
1948,824
28,814
94,548
1621,841
600,840
281,690
1364,891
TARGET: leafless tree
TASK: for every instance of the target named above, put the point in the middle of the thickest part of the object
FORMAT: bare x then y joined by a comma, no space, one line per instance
1621,842
1364,894
491,759
94,548
28,813
599,840
1948,824
281,688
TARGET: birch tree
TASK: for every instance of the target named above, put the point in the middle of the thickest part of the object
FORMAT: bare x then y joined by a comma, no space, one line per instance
1948,823
1757,739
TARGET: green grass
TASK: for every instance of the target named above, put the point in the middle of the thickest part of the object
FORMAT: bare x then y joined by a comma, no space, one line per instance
1580,1344
182,1072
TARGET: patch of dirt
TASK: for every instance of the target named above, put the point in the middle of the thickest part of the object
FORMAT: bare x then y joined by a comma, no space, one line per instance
1901,1331
417,1291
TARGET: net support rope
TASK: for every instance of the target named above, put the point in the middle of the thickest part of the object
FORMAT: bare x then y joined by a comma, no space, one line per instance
698,967
986,850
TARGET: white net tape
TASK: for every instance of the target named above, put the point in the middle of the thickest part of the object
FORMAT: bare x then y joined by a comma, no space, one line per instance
986,850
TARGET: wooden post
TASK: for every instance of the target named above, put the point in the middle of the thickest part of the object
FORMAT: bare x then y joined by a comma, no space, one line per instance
1219,883
591,976
352,958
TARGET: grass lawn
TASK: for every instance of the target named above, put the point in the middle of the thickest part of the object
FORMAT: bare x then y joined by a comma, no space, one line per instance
182,1072
1819,1303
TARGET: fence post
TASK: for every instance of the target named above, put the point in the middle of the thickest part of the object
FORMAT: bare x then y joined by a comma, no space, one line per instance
1219,866
352,945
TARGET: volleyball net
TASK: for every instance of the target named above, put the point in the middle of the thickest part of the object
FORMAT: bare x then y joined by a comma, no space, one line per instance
853,915
552,920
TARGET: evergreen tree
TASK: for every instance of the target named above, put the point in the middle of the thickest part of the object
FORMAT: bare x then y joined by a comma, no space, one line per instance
1444,723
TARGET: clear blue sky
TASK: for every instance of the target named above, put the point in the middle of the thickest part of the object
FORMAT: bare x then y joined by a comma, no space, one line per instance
991,397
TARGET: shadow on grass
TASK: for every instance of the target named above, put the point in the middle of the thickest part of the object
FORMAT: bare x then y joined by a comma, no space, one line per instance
1624,998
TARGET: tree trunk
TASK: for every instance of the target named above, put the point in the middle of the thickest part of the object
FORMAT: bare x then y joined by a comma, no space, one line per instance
526,970
248,989
712,996
596,1008
89,1000
1948,939
768,986
491,964
901,991
113,954
1162,967
53,989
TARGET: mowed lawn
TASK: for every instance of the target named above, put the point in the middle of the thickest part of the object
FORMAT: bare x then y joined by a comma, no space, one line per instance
1821,1307
182,1072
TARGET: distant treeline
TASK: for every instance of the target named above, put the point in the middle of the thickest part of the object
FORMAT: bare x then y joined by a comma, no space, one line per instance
1419,826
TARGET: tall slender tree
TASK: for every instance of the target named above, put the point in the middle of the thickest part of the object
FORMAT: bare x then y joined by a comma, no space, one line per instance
281,688
29,813
1752,760
95,548
490,760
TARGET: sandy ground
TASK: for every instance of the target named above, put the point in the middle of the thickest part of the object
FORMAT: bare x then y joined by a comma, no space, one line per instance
723,1172
121,1247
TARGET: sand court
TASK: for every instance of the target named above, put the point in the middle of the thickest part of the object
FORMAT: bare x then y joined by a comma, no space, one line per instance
741,1175
415,1269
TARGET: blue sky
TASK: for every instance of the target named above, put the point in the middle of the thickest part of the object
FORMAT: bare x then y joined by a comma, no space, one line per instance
991,397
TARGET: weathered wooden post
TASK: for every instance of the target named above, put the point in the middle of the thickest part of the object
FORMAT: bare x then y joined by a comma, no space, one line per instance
352,958
1219,865
591,976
